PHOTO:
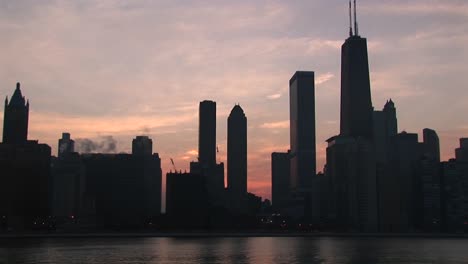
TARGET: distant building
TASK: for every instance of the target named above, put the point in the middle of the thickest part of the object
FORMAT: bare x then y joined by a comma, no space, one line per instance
351,156
356,104
207,133
125,189
302,129
280,177
454,198
206,165
237,158
431,144
385,130
405,164
187,200
69,182
66,145
142,146
16,117
25,170
352,184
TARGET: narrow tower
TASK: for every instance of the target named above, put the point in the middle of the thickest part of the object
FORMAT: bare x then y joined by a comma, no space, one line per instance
207,134
16,116
237,153
302,129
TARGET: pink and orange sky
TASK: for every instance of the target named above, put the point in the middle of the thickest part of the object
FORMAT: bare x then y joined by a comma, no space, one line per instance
140,67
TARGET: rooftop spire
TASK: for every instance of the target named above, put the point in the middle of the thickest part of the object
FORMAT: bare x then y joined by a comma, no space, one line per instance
356,30
350,22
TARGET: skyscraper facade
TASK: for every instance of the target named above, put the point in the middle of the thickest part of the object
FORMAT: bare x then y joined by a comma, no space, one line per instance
207,134
25,170
16,117
356,104
302,129
142,146
66,145
280,171
351,158
237,153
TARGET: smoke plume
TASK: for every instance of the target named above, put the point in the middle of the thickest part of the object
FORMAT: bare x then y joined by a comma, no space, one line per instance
106,144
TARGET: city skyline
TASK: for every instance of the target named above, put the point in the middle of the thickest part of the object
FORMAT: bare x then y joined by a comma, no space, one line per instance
152,100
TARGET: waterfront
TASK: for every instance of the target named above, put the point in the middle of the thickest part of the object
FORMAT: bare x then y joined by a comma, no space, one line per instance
327,250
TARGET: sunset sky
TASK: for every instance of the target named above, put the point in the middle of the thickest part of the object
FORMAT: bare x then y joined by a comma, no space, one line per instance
127,68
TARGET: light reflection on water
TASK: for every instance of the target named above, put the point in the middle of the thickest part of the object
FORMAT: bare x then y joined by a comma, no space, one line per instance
235,250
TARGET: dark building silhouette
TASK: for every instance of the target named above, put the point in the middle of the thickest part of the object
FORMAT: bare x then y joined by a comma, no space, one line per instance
125,189
385,129
237,158
454,191
352,184
280,180
207,133
187,201
68,179
351,156
461,153
142,146
406,154
25,166
431,144
356,104
206,165
16,116
302,129
65,145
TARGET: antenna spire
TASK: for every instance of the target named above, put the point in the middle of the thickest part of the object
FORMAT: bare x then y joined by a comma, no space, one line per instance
356,31
350,22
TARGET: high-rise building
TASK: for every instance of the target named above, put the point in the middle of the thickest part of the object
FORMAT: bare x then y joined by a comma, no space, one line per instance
385,130
237,155
280,172
207,133
125,188
356,104
206,165
431,144
66,145
351,156
16,116
142,146
302,129
25,170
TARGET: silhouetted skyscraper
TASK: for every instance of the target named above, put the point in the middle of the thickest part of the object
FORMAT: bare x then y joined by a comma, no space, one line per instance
385,128
351,156
16,116
431,144
65,145
206,165
142,146
207,133
280,179
302,129
356,104
25,170
237,154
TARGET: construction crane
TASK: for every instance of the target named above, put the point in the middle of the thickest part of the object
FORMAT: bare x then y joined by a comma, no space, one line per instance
173,165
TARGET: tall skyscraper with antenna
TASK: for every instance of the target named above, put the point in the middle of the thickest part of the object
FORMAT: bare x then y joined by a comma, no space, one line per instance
356,104
351,161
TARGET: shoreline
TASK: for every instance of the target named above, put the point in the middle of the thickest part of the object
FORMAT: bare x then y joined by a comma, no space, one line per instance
228,235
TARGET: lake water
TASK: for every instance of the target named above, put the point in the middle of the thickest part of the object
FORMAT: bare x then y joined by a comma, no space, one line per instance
263,250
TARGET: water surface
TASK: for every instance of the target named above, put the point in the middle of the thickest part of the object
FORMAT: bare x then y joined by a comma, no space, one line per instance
262,250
